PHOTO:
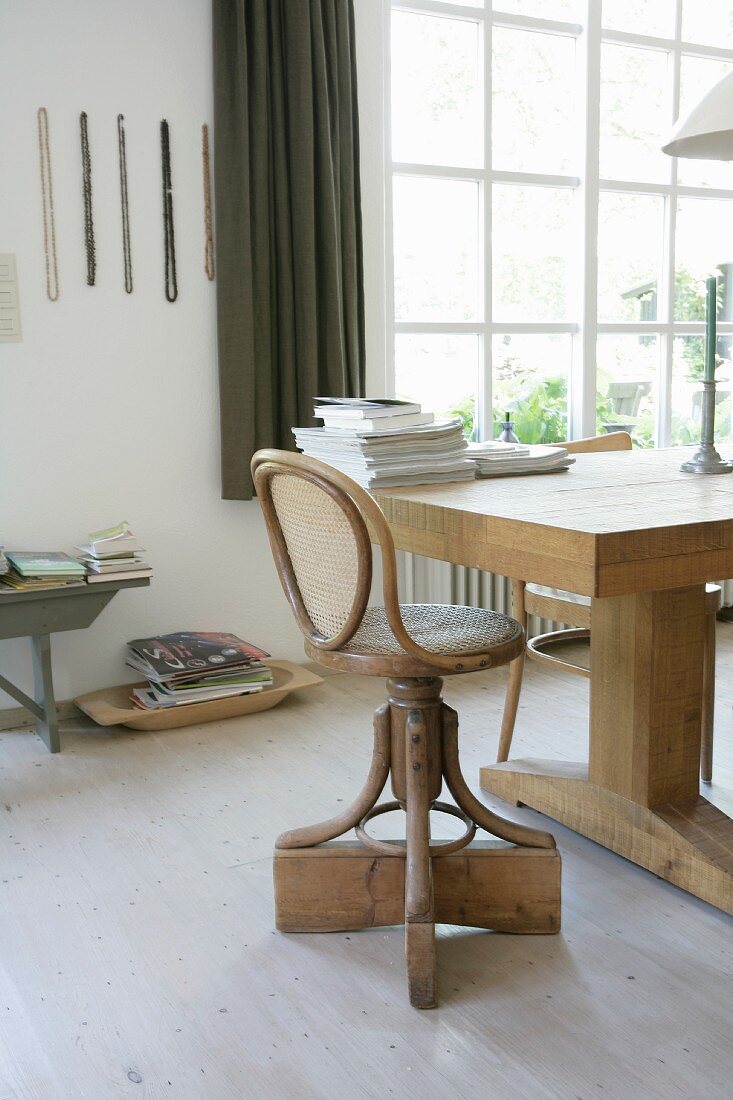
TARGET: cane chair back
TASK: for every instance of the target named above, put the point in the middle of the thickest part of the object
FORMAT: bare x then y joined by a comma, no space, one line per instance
322,551
321,527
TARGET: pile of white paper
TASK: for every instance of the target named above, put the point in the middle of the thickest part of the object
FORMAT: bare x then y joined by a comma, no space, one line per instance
416,455
495,459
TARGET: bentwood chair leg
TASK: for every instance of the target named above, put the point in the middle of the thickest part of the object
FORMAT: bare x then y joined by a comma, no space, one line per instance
708,701
309,835
514,685
419,907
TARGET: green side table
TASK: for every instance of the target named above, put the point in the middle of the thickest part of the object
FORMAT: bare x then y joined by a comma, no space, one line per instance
38,615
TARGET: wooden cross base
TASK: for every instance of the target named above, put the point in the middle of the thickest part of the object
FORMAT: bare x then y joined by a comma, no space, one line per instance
327,887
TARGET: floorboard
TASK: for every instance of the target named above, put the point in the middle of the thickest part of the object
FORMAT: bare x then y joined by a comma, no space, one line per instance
138,957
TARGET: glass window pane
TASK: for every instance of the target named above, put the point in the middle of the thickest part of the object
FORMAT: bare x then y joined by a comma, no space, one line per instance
436,249
530,382
649,17
441,372
630,231
634,114
533,91
627,385
687,371
697,77
565,10
704,247
437,100
708,21
531,241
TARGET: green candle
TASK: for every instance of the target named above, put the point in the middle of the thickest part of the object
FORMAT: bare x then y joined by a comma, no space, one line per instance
710,328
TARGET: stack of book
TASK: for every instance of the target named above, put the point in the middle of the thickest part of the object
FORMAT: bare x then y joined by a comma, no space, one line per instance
496,459
3,561
31,570
113,555
382,443
195,667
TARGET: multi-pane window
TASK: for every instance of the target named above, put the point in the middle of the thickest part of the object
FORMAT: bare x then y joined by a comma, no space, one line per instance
549,260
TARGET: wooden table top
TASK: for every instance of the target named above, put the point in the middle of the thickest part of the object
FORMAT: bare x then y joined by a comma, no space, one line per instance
615,523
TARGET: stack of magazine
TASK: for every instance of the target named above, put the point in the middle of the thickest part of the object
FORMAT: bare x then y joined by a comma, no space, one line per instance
113,555
195,667
497,459
31,570
381,443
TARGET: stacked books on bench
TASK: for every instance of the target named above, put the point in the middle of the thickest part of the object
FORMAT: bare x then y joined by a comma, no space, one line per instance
195,667
32,570
113,555
380,443
496,459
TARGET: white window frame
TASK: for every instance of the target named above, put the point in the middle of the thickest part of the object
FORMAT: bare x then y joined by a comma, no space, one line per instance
585,330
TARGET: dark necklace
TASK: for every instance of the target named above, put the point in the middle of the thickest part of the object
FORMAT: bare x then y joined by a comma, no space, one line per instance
171,283
86,169
126,247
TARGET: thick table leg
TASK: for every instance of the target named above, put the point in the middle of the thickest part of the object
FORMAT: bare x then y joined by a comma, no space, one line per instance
639,796
48,726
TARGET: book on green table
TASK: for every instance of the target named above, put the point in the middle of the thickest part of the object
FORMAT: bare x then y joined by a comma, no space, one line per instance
36,563
112,541
15,582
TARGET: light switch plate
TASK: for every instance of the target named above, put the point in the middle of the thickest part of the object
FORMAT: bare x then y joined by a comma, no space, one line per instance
9,303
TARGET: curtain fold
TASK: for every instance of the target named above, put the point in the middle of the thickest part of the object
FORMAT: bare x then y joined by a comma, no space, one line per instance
290,293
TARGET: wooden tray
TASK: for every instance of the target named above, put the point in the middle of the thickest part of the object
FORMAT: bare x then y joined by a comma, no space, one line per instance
112,707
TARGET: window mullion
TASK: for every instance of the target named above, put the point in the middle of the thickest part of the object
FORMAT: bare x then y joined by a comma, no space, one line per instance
484,409
582,404
667,298
389,350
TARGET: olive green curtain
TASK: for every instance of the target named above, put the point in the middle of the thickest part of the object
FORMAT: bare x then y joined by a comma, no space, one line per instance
288,220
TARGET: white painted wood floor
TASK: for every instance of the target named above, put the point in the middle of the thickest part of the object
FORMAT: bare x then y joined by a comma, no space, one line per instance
138,957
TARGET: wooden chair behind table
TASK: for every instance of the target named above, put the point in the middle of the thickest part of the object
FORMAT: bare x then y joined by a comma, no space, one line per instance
567,607
320,524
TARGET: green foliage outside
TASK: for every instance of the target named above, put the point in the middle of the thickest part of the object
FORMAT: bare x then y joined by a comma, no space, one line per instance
538,409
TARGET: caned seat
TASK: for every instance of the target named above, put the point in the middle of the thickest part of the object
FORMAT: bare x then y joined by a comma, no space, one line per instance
321,527
574,610
439,628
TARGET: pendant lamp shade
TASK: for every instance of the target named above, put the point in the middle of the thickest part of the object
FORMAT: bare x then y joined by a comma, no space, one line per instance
707,132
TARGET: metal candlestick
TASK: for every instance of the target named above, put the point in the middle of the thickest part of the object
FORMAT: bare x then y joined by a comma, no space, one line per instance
706,460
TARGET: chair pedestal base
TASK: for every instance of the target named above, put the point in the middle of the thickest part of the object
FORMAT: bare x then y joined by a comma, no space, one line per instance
345,886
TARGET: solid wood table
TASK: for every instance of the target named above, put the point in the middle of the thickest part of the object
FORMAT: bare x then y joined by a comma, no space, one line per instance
641,538
39,614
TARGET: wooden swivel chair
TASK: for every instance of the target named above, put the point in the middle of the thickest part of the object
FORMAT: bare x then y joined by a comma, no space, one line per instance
567,607
320,524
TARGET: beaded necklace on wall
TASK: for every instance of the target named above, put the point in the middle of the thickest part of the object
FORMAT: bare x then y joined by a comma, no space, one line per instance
49,216
208,232
86,171
124,204
171,281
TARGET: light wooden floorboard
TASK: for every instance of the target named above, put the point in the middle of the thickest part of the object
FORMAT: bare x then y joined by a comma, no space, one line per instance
138,957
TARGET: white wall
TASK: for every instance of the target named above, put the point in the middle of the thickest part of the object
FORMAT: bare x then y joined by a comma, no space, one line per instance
108,406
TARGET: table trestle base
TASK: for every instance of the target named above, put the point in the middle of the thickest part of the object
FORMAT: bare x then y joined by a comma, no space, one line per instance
689,844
